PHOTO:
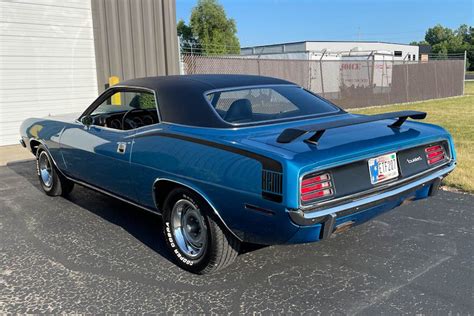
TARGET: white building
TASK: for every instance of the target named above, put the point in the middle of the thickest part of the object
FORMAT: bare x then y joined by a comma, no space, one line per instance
345,63
333,50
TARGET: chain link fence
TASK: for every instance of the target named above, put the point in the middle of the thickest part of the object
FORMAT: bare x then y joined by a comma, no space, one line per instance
347,83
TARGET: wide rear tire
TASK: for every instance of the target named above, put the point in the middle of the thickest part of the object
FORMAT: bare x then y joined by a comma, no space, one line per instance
198,241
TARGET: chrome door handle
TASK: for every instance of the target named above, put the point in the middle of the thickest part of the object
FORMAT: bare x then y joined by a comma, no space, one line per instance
121,147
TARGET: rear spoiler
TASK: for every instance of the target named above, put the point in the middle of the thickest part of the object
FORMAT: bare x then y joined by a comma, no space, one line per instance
290,134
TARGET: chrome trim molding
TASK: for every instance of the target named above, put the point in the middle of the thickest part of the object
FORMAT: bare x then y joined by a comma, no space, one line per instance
92,187
375,189
123,131
201,195
379,196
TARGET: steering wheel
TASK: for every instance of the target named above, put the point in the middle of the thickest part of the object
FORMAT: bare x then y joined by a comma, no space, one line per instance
130,123
115,123
148,120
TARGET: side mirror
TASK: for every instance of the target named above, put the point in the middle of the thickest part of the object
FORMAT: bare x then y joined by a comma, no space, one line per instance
87,120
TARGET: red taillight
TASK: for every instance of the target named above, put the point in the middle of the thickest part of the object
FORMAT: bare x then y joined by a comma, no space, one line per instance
435,154
316,195
316,187
433,148
315,179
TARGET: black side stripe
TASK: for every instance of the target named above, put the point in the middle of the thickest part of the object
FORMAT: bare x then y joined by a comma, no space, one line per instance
267,163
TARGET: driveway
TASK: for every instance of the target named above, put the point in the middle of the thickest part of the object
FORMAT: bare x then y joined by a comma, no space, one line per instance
90,253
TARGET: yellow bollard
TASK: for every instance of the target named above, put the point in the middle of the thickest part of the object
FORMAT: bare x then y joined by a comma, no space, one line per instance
116,99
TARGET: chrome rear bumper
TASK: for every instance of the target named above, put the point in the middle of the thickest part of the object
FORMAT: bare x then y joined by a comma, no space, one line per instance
328,215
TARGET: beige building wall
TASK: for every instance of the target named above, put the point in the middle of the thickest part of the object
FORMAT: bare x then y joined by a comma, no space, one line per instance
134,38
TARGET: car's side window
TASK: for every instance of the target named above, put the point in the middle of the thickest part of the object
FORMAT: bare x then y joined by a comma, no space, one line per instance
124,101
126,110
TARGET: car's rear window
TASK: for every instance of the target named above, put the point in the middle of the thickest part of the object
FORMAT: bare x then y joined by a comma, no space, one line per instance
269,103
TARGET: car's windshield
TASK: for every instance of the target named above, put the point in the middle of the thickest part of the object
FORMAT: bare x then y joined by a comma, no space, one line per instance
258,104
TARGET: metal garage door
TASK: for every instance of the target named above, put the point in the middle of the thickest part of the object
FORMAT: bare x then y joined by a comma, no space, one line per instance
47,61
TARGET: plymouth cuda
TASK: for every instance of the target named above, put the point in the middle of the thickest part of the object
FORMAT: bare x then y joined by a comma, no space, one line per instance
226,159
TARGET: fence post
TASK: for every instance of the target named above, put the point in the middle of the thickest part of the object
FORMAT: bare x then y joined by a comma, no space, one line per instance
370,72
406,81
310,81
258,66
464,73
321,73
436,79
385,75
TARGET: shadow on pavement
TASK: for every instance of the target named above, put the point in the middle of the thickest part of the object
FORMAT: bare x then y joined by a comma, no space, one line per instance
144,226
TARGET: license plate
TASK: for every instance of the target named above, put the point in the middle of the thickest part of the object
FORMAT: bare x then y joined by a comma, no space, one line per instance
383,168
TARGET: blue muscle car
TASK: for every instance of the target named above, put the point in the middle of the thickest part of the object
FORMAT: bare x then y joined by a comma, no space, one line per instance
226,159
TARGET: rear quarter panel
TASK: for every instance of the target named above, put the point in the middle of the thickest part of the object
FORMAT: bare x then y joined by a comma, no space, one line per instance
226,179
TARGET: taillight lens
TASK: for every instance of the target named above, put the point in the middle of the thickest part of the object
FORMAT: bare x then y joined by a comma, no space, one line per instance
435,154
314,187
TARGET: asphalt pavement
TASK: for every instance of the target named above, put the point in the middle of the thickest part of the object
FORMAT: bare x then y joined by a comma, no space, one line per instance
90,253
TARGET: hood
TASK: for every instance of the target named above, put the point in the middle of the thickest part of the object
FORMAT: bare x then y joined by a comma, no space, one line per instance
68,117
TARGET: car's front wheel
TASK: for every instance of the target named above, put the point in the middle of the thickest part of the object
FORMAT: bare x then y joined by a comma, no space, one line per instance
197,240
52,182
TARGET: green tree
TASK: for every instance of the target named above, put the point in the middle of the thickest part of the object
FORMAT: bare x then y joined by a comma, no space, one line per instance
185,32
438,34
189,43
446,41
214,31
467,33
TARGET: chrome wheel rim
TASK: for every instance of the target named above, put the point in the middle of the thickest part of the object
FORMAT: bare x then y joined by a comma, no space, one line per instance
45,169
188,228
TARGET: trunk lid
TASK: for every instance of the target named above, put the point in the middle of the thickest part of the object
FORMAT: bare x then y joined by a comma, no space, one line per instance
348,143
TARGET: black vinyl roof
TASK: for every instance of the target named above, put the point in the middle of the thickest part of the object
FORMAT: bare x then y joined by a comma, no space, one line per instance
181,98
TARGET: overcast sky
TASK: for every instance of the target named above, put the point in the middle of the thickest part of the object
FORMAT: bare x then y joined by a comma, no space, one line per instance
276,21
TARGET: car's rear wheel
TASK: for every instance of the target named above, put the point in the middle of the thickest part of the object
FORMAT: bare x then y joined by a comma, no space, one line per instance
197,240
52,182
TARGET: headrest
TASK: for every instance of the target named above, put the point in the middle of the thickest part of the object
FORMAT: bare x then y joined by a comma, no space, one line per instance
239,111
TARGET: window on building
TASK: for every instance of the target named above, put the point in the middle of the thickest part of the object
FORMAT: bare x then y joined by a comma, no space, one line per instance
398,53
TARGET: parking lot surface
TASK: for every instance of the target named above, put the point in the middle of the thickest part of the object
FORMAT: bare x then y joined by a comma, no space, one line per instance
90,253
